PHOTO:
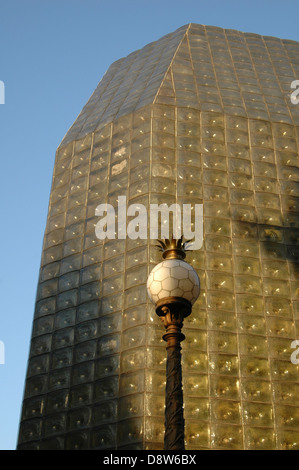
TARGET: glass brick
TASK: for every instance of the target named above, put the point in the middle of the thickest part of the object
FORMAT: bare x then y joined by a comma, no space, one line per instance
61,358
81,395
133,337
154,431
108,344
30,430
67,299
59,379
107,366
33,408
104,413
259,438
89,292
65,318
38,365
197,434
85,351
222,342
43,325
57,401
103,437
83,373
69,281
71,263
55,424
226,411
78,419
226,437
132,359
86,331
220,301
63,338
131,406
287,440
224,387
255,367
134,316
221,321
130,431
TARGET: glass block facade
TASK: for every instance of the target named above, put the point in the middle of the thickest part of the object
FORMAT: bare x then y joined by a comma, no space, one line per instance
202,115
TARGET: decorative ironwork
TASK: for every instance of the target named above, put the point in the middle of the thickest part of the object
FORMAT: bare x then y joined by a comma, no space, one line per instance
172,312
173,248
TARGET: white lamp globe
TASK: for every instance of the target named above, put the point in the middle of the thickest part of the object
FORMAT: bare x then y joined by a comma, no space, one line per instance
173,278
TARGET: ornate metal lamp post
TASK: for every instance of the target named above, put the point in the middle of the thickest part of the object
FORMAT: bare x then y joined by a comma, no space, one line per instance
173,286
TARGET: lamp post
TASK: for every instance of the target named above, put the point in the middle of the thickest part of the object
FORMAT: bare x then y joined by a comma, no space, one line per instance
173,286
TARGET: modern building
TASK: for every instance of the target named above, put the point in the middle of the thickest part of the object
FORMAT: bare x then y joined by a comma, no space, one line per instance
203,115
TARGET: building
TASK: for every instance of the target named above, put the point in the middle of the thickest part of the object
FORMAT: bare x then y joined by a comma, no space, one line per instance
203,115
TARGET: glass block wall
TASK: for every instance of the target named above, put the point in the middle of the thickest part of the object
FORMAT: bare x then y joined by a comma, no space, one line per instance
201,116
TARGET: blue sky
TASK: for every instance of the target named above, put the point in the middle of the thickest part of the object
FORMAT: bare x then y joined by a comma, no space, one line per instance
53,53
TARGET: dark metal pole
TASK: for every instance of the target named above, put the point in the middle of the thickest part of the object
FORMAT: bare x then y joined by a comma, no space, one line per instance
172,314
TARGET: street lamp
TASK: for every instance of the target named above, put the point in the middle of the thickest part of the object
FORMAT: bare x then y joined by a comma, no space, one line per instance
173,286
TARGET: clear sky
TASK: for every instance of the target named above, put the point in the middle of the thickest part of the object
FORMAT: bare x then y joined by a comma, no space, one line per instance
53,53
